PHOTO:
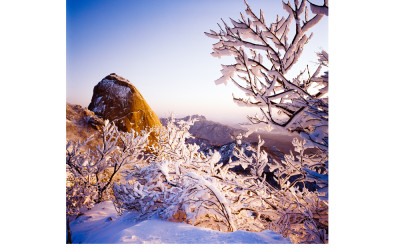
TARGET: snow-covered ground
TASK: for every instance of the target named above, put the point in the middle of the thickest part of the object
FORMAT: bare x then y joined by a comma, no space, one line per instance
102,224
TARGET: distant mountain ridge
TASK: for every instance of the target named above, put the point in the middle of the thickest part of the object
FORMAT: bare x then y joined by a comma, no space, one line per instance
206,131
210,135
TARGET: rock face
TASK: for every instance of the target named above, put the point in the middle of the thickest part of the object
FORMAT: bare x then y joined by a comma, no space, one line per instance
82,123
116,99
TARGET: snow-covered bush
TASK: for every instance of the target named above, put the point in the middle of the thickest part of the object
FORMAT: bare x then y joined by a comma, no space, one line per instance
90,173
258,159
296,211
179,181
182,184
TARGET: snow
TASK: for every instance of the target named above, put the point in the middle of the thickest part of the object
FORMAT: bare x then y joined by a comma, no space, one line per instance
118,91
319,10
164,169
102,224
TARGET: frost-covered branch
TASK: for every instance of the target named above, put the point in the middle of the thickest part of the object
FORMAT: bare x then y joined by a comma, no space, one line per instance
263,55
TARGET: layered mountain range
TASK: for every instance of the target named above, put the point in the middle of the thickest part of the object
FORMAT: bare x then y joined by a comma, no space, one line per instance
214,136
209,132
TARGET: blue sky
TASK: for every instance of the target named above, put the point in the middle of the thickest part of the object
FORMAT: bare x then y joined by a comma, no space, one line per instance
161,48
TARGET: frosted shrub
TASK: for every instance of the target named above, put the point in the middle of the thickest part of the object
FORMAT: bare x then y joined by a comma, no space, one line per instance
258,159
185,185
90,173
291,208
172,141
180,181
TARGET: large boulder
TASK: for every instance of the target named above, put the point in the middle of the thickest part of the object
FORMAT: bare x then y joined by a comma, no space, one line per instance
116,99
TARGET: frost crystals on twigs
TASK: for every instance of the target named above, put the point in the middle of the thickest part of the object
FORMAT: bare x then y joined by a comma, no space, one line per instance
263,56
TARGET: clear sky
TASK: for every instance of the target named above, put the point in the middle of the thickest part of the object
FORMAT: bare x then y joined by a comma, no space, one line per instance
161,48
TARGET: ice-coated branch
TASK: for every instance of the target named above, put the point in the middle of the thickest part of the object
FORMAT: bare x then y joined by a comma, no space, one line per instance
263,56
316,9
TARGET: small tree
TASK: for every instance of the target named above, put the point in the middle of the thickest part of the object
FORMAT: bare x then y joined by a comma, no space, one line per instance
263,55
91,172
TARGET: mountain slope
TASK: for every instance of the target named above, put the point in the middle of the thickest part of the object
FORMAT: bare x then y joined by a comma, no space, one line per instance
209,132
82,123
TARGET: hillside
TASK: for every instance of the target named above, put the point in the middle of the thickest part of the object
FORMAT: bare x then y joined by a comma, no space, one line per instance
82,123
